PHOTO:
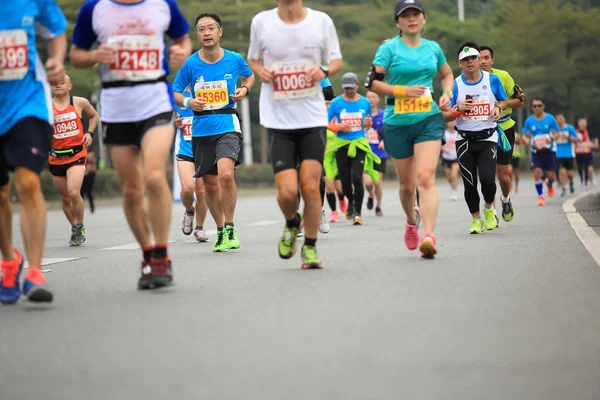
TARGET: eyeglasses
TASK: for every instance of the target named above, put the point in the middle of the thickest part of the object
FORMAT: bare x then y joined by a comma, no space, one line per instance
537,105
212,28
470,58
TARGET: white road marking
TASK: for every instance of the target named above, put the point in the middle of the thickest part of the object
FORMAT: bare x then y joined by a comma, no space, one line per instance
587,235
50,261
129,246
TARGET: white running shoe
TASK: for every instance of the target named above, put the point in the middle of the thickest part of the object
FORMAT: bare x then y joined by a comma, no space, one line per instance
454,196
324,225
200,235
187,224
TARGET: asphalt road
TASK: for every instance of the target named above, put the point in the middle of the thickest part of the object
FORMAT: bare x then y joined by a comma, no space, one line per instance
510,314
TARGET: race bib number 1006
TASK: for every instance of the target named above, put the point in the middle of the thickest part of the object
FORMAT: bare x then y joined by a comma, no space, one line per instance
14,61
137,58
291,81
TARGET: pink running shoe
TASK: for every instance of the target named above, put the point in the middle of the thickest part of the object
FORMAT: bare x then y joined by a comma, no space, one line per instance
428,248
334,217
343,205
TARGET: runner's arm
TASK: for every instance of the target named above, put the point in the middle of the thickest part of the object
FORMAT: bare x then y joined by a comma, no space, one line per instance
90,111
82,58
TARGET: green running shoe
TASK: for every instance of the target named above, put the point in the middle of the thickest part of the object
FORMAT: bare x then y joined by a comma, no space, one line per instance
489,219
508,212
288,242
220,245
231,239
476,226
309,258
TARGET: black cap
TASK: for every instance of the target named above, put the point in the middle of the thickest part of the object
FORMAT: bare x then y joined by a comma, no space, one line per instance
402,5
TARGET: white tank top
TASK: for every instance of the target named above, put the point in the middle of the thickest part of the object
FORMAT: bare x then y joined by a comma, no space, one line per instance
480,118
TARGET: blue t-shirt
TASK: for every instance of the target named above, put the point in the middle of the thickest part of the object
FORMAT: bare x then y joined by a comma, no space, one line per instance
374,134
540,130
183,140
410,66
564,147
325,83
352,113
215,83
23,85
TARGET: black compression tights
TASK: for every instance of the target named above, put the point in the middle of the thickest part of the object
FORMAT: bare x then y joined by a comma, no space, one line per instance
477,158
350,171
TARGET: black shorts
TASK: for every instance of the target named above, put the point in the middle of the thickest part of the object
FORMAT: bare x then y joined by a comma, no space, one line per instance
566,163
504,157
181,157
585,160
132,133
25,145
380,167
288,148
448,163
60,171
208,150
515,162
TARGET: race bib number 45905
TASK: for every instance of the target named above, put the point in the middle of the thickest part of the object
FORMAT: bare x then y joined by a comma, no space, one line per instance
291,81
14,61
137,57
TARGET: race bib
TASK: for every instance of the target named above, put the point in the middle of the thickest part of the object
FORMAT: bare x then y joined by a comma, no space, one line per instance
481,110
583,147
353,119
541,142
372,136
14,60
187,128
65,125
215,94
563,137
291,81
137,57
408,105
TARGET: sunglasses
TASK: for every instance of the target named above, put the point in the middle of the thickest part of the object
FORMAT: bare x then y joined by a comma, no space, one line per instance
537,105
470,58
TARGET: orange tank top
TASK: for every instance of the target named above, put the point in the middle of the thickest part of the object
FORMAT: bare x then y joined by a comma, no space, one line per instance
68,134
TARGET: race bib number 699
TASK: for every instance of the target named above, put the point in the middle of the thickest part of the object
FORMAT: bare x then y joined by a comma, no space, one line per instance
14,61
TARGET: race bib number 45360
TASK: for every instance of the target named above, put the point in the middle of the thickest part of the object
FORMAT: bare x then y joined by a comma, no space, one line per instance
291,81
14,61
215,94
137,57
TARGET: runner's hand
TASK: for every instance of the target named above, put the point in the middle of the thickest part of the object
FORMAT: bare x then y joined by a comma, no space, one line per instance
239,94
315,74
105,54
177,56
381,145
416,91
179,122
368,122
495,114
55,70
87,140
466,106
345,128
266,74
444,102
197,104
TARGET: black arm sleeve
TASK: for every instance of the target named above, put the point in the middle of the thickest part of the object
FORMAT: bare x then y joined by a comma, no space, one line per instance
328,93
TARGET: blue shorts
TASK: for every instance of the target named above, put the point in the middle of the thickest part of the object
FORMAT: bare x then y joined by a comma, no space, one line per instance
545,160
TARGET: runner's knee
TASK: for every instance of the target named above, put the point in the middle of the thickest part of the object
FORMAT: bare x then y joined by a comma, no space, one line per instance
4,196
28,184
226,178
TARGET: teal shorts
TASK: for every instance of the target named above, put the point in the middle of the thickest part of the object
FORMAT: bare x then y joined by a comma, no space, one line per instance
399,140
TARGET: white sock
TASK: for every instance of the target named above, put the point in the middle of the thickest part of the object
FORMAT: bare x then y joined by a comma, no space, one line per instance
505,199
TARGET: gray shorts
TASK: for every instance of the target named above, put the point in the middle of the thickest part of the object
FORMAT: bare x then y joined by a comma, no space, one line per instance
208,150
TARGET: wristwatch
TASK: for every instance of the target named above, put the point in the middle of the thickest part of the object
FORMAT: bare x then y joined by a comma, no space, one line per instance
325,71
247,89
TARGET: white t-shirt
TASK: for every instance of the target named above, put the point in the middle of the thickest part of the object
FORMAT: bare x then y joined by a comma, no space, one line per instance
290,102
451,138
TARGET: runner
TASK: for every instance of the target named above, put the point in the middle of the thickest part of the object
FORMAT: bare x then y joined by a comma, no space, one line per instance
25,132
516,99
213,72
87,187
350,148
450,159
375,138
542,126
137,110
185,171
585,153
403,70
515,163
478,100
287,46
68,154
566,137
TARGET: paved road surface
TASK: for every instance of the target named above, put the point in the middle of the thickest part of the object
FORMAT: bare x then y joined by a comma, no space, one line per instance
510,314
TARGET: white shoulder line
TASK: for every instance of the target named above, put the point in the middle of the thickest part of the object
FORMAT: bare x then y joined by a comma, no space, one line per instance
587,235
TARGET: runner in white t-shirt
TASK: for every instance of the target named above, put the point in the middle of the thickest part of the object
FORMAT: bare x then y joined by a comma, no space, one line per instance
288,45
449,158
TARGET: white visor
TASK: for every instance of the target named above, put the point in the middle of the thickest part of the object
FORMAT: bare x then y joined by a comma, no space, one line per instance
467,52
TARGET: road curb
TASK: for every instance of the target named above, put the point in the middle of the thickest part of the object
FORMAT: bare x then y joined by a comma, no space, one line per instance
587,236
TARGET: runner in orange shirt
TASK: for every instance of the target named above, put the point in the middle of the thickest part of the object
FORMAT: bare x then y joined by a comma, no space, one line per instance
68,154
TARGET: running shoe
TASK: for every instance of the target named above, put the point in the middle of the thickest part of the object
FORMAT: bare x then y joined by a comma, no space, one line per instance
334,217
73,240
156,274
542,201
551,191
343,205
572,187
220,245
231,238
428,248
476,226
187,224
34,287
309,258
370,202
324,225
200,235
81,237
378,211
563,193
489,219
508,212
411,232
454,196
9,284
357,220
288,241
